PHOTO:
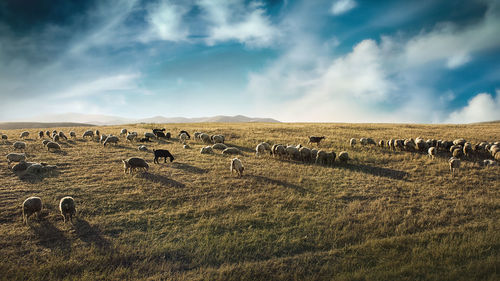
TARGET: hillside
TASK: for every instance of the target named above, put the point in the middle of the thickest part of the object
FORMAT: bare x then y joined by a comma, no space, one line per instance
385,215
41,125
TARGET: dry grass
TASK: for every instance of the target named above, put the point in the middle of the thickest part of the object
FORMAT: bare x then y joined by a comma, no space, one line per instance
385,215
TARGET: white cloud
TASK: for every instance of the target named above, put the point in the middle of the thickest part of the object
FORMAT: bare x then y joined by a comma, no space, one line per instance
482,107
120,82
342,6
165,21
234,20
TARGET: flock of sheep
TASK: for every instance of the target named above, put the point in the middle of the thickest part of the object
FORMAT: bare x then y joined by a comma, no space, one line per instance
459,149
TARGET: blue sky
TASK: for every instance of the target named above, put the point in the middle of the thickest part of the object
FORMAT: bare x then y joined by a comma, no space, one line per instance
334,61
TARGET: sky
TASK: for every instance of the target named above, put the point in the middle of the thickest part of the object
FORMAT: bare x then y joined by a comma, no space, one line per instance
426,61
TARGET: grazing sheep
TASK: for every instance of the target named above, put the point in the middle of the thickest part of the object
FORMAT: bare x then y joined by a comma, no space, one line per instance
40,134
363,141
421,145
460,142
494,149
206,150
299,146
67,208
317,140
399,143
88,133
131,137
97,133
158,130
187,134
103,138
489,163
293,152
4,137
162,153
15,157
409,144
134,163
145,139
149,135
160,135
72,134
19,145
25,134
186,146
390,144
278,150
231,150
142,148
352,142
54,132
219,146
30,206
205,138
454,165
123,132
467,150
381,143
168,135
63,136
314,154
111,139
260,149
217,138
305,154
321,157
237,166
53,145
183,138
432,152
497,156
343,156
457,153
45,142
197,135
55,138
371,141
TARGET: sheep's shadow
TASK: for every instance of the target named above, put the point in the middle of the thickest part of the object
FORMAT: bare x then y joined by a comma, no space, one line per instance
51,237
266,180
376,171
188,168
60,152
36,178
161,179
90,234
241,148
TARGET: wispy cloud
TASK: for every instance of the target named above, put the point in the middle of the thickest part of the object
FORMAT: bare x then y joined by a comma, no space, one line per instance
342,6
166,22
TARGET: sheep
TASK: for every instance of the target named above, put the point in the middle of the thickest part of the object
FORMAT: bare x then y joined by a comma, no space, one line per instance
158,130
145,139
55,138
40,134
131,137
54,132
305,154
183,138
103,138
467,150
489,163
162,153
237,166
197,135
371,141
299,146
266,146
321,157
421,144
160,135
97,133
186,146
134,163
363,141
453,147
142,148
314,154
343,156
72,134
25,134
381,143
63,136
53,145
185,132
67,208
15,157
217,138
494,149
497,156
167,135
317,140
149,135
30,206
457,153
231,150
19,145
219,146
260,149
432,152
123,132
460,142
399,143
4,137
45,142
352,142
292,152
454,165
48,133
206,150
409,144
205,138
88,133
390,144
111,139
21,167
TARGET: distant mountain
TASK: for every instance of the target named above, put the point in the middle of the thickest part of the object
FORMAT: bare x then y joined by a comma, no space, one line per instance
98,119
32,125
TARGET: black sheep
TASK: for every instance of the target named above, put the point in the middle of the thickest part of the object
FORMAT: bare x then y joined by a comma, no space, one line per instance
167,136
160,135
315,139
189,137
146,139
158,132
162,153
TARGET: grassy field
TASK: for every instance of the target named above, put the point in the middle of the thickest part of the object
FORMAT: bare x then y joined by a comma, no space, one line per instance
384,216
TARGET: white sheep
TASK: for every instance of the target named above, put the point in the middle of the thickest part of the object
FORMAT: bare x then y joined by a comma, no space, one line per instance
15,157
432,152
206,150
67,208
25,134
305,154
237,166
149,135
123,132
131,137
260,149
489,163
343,156
183,138
19,145
103,138
293,152
217,139
363,141
454,165
111,139
142,148
186,146
30,206
352,142
278,150
88,133
53,145
205,138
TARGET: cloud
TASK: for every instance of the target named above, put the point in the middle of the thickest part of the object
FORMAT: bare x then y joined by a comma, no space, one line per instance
110,84
342,6
235,20
165,20
482,107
